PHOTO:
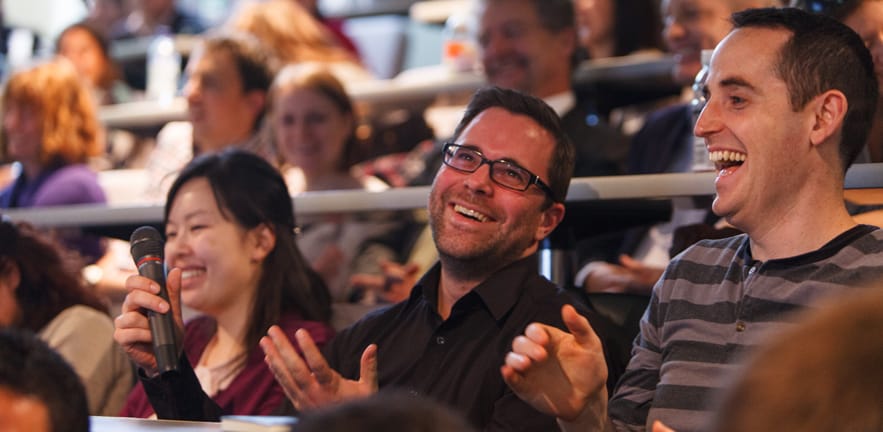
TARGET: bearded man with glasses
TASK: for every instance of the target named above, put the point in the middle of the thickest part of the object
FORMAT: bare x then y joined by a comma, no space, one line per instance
500,191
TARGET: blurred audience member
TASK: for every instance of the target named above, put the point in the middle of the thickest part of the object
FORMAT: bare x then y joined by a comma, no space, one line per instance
39,392
334,25
314,124
825,374
530,46
87,48
109,16
150,18
228,77
153,17
611,28
230,242
50,127
385,412
40,291
293,35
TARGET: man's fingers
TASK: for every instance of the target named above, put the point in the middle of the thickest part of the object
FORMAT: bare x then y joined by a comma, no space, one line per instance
526,346
286,380
368,367
287,361
316,363
578,326
512,377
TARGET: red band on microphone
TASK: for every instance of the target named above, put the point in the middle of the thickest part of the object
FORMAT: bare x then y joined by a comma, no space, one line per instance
147,259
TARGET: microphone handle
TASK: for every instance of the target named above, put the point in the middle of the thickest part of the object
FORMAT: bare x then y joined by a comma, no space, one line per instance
162,325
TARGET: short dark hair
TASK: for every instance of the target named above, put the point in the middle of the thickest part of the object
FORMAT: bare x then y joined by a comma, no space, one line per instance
561,164
555,15
31,368
254,64
387,411
823,54
250,192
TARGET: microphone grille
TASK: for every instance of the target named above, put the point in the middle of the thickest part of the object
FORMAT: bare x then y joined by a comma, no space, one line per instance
146,241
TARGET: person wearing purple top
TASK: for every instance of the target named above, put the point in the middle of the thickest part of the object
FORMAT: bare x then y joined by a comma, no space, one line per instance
50,128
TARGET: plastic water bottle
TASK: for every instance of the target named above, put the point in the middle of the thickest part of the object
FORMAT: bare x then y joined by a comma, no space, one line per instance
163,70
700,151
460,50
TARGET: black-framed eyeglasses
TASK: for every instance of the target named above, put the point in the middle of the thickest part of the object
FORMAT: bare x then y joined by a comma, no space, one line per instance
826,7
503,172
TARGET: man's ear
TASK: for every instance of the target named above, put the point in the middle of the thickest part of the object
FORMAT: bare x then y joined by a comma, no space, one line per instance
830,110
264,240
549,220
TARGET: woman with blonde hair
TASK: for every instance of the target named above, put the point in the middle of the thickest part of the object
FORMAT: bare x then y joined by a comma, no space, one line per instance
293,35
50,127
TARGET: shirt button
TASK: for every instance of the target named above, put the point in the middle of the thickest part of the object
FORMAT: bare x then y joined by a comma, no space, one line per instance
440,340
740,326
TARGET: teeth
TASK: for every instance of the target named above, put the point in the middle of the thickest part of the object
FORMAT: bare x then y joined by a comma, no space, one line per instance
191,273
726,156
471,213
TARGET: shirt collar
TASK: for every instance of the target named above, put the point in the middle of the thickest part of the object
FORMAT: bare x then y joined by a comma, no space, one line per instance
499,293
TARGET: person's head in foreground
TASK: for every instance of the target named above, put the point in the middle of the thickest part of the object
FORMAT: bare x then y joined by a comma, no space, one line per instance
39,391
385,412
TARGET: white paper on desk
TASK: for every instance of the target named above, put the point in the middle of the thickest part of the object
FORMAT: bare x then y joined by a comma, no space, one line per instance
245,423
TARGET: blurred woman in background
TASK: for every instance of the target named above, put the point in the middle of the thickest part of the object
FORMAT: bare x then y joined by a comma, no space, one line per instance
293,36
314,127
40,291
87,48
612,28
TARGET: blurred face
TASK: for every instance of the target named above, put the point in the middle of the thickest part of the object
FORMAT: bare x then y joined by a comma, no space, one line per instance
106,12
221,112
84,52
519,53
475,219
759,144
310,130
218,257
24,132
594,19
20,413
690,27
867,21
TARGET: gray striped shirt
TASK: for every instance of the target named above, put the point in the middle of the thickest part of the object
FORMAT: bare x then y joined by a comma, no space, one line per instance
712,304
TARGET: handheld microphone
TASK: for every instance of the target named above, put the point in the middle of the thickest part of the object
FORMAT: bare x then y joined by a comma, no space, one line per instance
147,251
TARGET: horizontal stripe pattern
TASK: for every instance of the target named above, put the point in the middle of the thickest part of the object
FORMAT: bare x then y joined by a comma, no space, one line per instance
712,305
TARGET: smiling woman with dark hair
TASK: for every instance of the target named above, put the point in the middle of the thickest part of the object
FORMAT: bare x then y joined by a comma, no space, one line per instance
230,242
